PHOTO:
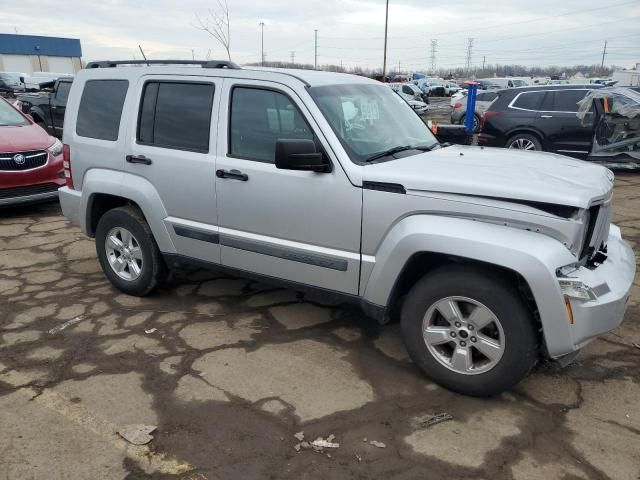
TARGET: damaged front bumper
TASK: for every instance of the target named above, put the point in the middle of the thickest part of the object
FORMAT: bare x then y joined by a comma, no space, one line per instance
610,285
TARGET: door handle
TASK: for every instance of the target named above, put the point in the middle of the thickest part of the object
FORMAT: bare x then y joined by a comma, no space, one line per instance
233,174
546,116
138,159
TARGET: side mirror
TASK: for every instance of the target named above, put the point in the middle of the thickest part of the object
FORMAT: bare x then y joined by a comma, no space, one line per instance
299,154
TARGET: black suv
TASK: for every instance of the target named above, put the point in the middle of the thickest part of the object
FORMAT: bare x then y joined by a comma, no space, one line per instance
539,118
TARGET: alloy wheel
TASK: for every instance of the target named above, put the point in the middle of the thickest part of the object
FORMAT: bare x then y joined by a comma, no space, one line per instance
124,253
463,335
523,144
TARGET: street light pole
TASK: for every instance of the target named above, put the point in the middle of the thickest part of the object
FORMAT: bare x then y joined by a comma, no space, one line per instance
386,24
262,44
315,62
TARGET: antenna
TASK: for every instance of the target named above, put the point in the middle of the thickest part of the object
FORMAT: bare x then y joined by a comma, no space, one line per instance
143,55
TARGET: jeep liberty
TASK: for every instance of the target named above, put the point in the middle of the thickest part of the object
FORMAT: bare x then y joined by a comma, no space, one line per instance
492,259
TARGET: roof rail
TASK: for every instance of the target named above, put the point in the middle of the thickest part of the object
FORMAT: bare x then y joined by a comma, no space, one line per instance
202,63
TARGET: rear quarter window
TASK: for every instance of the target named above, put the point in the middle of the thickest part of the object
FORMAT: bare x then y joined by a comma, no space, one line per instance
100,109
528,100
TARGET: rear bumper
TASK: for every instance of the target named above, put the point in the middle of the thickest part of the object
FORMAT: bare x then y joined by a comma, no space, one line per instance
70,201
489,140
612,281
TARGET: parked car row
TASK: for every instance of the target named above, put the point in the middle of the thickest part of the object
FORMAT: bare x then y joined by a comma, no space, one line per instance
418,100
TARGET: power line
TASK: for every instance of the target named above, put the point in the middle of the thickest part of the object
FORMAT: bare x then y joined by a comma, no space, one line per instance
500,25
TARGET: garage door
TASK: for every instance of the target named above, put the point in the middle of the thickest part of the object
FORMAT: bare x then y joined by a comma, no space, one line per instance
17,63
60,65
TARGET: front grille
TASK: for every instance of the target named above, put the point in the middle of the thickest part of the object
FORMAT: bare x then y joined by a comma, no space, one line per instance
31,159
28,190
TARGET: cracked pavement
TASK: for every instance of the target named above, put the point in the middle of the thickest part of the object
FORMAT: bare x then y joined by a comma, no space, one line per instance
231,369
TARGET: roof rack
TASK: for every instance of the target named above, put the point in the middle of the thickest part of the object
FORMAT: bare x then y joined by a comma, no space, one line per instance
202,63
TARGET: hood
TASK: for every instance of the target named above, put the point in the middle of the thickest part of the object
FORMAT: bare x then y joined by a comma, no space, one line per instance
23,138
498,173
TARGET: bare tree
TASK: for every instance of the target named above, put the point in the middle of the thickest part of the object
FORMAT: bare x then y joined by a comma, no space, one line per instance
216,24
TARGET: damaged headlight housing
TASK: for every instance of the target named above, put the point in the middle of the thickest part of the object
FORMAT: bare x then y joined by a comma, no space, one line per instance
576,288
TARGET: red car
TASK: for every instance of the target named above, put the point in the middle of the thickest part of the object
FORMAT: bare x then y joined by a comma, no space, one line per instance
31,167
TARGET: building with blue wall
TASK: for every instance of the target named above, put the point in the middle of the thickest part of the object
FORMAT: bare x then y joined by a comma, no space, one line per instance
32,53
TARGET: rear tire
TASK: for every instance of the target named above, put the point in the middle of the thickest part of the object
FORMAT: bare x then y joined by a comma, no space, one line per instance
476,122
128,253
524,141
489,350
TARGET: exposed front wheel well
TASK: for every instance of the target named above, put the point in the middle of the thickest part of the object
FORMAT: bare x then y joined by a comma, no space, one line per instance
422,263
101,203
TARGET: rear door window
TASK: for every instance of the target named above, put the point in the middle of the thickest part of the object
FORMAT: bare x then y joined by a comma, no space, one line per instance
176,115
101,109
528,100
563,100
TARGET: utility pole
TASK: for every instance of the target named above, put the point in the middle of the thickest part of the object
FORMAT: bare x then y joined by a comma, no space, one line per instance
315,62
398,67
293,56
604,52
434,50
262,43
469,51
483,60
193,54
386,25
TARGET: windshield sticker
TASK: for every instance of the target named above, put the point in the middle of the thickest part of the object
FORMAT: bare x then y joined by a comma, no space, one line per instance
369,110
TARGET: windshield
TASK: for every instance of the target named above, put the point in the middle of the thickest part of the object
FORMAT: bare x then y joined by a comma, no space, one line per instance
369,119
10,116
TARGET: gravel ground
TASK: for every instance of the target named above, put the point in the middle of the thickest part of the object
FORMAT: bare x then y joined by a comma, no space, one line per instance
228,370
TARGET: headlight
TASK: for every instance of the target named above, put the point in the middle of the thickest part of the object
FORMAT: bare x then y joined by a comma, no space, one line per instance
56,148
575,288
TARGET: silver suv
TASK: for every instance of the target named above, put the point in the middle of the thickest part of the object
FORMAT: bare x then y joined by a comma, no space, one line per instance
491,258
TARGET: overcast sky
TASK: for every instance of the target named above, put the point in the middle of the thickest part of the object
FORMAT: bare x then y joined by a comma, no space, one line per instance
540,32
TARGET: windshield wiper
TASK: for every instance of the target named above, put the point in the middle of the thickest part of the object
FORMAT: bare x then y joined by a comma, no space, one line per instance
398,149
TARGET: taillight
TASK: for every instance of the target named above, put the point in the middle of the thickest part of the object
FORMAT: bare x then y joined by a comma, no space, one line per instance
66,163
457,105
486,116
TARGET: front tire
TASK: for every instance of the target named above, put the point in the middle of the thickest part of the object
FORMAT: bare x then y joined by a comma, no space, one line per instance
468,329
128,253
